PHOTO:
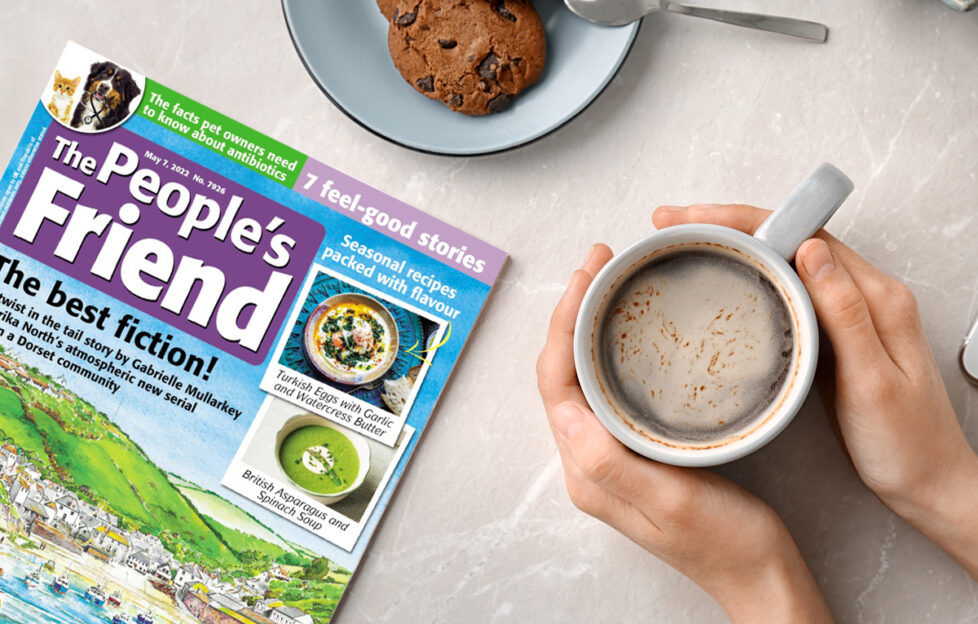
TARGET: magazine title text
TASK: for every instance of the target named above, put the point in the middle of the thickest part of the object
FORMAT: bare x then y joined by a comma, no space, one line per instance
171,235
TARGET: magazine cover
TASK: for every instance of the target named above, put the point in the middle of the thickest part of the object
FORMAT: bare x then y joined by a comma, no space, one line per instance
217,355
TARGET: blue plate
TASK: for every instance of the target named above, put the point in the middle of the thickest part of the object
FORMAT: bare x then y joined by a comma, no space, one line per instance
343,44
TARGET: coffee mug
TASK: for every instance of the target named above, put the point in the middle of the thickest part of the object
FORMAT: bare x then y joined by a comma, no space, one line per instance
659,306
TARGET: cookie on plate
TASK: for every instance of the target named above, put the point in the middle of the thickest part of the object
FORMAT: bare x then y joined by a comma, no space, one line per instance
473,55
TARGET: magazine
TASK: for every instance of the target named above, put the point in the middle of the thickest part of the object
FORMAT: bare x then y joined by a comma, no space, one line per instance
216,358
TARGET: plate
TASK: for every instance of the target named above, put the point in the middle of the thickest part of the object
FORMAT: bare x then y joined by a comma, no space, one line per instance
329,368
343,45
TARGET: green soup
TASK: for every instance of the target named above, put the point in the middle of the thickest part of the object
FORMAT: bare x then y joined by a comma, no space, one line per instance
319,459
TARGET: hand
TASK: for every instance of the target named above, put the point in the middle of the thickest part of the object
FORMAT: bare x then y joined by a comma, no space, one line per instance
893,412
729,542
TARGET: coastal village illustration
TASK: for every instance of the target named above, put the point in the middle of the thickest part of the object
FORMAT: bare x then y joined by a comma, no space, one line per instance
142,562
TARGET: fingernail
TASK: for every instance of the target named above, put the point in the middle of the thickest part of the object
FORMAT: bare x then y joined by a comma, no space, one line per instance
590,253
569,420
671,208
817,260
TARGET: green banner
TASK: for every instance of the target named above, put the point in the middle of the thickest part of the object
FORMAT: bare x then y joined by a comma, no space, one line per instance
221,134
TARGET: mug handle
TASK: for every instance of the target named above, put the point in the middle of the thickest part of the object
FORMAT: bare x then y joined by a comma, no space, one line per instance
805,210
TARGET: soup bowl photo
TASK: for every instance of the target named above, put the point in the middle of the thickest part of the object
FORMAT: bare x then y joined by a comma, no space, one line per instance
320,459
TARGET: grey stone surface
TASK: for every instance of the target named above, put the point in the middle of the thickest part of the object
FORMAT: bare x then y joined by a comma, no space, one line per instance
482,529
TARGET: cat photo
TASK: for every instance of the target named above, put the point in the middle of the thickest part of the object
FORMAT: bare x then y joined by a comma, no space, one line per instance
63,96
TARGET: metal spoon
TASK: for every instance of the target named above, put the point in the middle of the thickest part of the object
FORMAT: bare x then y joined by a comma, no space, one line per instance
620,12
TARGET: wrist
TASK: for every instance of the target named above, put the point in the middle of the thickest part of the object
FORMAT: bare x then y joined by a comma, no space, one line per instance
780,590
944,510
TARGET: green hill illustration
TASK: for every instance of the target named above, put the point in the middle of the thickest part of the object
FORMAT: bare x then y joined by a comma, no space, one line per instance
237,528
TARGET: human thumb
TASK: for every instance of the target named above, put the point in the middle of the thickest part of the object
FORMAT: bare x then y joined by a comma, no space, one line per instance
840,306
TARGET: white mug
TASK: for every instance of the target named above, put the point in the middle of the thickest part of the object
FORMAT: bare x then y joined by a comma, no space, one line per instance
772,247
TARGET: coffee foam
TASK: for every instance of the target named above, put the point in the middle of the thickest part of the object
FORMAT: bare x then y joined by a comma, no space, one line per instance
696,344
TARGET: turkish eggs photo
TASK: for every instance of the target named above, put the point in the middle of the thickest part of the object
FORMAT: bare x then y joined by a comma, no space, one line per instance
351,338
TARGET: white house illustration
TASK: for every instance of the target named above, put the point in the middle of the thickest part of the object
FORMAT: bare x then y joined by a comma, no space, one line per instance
110,541
289,615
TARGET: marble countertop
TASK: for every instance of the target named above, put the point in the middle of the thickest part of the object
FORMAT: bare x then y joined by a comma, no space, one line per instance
482,528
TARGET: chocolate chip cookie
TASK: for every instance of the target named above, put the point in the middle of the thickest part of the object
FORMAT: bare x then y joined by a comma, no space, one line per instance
473,55
387,7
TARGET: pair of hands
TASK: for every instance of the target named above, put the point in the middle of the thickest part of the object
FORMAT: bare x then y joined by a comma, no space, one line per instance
895,419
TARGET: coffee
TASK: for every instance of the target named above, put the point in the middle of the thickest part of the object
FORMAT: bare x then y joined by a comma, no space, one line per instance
695,345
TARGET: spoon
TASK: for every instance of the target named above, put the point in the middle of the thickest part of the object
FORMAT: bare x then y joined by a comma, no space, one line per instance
621,12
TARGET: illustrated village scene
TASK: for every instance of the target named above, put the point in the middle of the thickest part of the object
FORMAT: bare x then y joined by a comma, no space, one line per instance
92,531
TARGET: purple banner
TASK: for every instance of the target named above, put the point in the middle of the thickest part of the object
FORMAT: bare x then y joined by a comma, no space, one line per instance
163,234
401,222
